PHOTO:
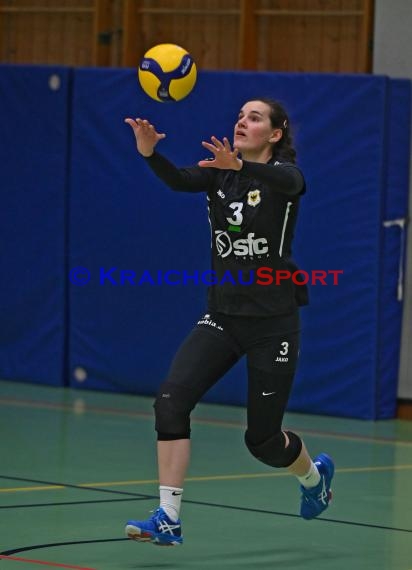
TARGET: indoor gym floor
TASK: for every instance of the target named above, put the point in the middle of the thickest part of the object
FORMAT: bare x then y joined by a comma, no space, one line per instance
75,465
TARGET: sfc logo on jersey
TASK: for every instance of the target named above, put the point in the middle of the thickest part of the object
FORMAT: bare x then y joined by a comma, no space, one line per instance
253,198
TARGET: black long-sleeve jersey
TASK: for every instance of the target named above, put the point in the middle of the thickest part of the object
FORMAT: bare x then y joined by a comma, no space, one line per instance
252,215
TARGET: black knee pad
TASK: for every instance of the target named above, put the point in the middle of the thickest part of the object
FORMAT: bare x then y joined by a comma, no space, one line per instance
273,451
172,406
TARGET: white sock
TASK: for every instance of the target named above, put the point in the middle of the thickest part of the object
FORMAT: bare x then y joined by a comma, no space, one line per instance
170,500
312,477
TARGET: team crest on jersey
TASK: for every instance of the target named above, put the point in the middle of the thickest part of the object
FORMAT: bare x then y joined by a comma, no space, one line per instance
253,198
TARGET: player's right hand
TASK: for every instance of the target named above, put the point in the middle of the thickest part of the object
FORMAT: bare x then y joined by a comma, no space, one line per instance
145,134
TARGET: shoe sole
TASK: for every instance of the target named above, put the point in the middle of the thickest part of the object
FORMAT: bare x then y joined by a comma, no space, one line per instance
134,533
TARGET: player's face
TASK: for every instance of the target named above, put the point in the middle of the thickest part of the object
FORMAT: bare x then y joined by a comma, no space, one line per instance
253,131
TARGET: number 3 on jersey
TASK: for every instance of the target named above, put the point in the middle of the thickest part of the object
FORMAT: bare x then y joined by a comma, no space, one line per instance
285,348
237,218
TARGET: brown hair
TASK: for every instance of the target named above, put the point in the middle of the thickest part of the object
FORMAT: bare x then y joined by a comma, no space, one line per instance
283,149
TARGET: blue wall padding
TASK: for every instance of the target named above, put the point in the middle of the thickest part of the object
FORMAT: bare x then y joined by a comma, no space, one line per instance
341,153
75,195
33,157
122,216
393,245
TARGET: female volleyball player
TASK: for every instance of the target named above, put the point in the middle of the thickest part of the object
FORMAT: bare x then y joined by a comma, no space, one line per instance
253,191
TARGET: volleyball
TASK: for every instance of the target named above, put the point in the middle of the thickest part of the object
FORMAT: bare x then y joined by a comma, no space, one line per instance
167,72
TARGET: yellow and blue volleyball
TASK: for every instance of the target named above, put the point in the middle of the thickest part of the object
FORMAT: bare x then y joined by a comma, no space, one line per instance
167,72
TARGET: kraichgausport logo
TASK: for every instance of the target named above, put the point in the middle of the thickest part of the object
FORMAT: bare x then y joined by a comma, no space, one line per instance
263,276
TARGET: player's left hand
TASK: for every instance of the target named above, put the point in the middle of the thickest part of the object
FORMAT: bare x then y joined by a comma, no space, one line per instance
224,157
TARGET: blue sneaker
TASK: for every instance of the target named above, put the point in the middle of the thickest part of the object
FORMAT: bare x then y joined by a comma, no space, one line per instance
159,530
316,499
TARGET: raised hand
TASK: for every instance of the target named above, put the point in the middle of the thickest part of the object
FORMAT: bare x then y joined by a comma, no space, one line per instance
146,135
224,157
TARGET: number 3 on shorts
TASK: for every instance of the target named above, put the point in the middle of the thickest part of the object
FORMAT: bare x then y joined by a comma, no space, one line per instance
285,348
